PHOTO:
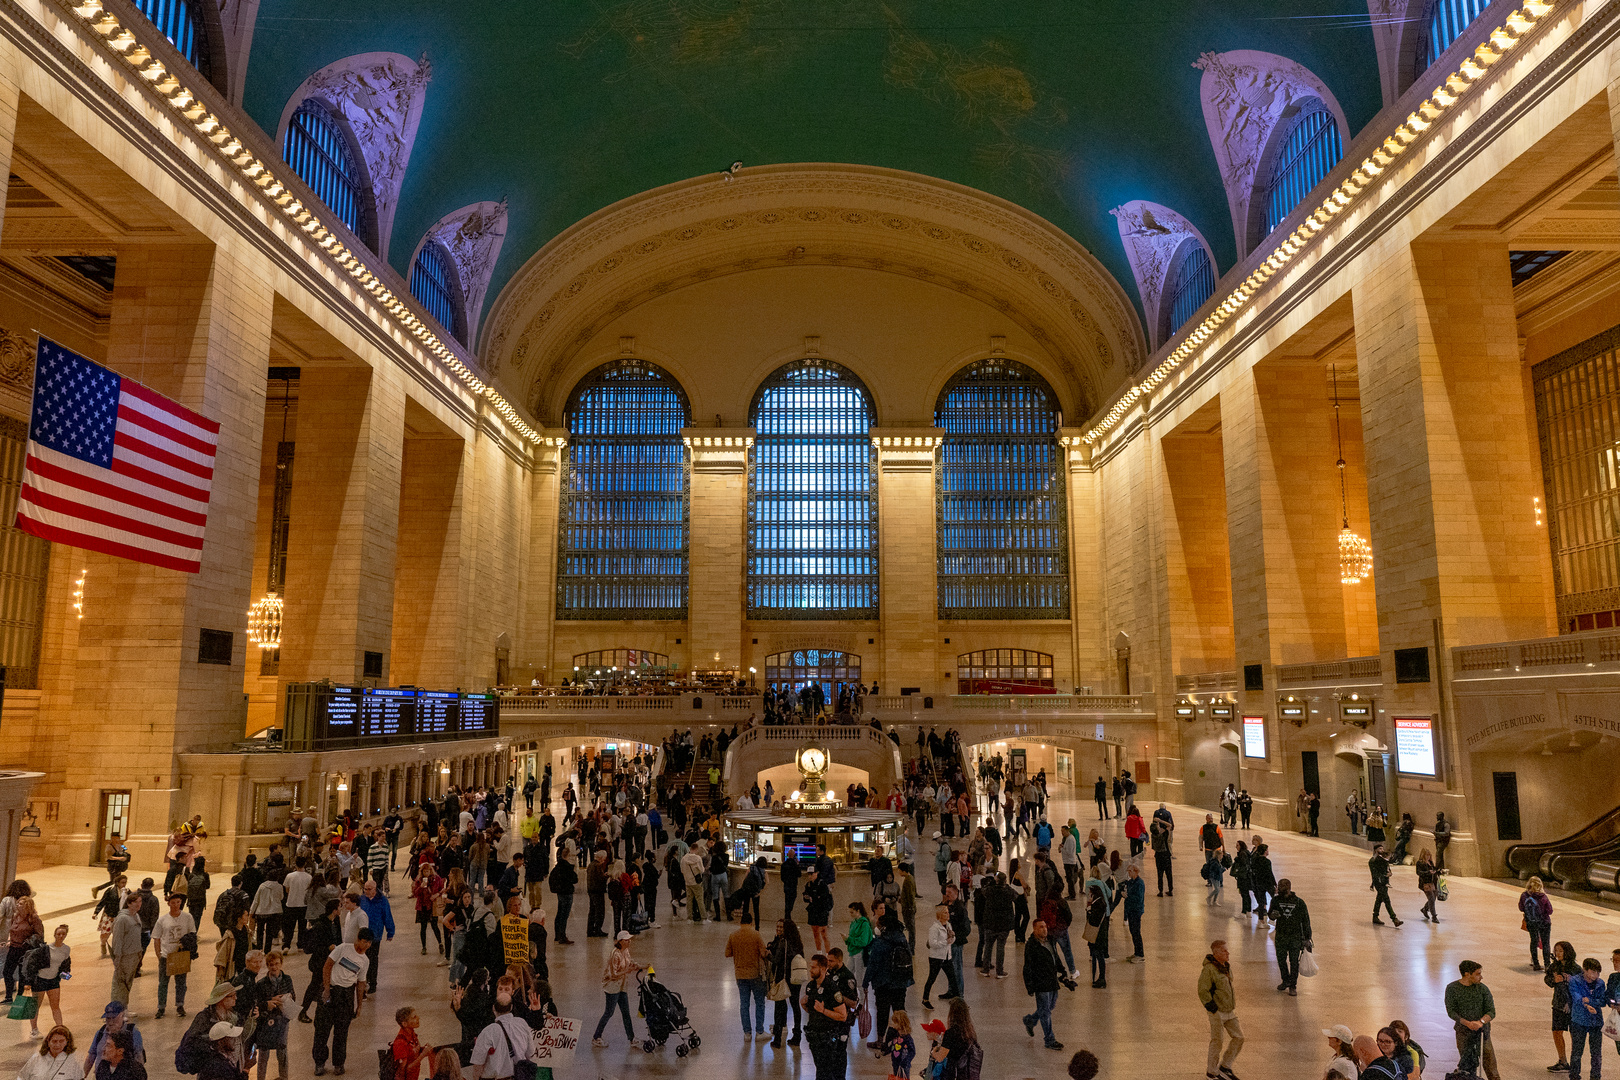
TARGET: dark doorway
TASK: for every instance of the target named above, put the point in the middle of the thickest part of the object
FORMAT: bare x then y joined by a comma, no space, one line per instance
1507,806
1313,780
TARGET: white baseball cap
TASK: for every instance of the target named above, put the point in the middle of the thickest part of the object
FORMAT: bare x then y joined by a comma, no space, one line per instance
223,1030
624,935
1340,1032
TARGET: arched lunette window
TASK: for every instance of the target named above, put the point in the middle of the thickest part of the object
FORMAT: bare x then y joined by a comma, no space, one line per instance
433,283
1443,22
622,547
1192,283
1003,525
318,149
812,497
1308,150
179,21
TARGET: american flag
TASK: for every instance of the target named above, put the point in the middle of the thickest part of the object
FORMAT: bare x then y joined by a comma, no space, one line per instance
114,467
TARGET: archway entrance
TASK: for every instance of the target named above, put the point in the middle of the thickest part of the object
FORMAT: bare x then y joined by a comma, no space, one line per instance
793,671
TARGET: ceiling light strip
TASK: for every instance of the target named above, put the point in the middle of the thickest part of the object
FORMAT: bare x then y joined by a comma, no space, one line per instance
1503,39
259,174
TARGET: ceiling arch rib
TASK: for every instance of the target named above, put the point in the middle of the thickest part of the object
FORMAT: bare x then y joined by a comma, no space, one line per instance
1152,234
787,215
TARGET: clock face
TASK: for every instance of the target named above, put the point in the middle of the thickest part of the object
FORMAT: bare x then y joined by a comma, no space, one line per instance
813,760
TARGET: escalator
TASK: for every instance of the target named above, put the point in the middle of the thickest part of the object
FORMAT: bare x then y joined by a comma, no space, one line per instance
1588,857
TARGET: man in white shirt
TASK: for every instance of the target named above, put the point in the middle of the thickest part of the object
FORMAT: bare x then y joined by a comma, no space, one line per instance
343,991
494,1049
295,907
354,919
166,934
465,821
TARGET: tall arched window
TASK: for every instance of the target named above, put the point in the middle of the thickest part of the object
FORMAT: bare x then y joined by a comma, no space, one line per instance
1443,22
622,548
812,497
1192,284
1003,527
433,283
1308,151
178,20
318,150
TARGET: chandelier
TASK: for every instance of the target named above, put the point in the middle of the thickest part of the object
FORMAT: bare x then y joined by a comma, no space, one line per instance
264,621
1355,554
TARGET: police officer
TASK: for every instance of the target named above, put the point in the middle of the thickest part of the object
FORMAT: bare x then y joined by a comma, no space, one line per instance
827,1021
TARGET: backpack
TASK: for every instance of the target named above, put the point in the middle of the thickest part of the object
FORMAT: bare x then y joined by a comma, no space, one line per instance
902,965
387,1064
191,1055
477,944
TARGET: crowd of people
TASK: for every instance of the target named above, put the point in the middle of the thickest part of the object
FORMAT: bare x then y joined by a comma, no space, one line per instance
476,869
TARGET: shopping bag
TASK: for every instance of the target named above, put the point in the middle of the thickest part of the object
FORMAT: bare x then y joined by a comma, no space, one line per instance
26,1007
1443,887
1307,964
1611,1024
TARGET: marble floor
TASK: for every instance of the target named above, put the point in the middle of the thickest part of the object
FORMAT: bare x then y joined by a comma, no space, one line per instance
1148,1019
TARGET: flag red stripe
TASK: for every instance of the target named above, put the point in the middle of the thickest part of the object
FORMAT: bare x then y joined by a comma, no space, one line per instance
174,461
101,488
147,476
158,401
97,515
106,547
174,435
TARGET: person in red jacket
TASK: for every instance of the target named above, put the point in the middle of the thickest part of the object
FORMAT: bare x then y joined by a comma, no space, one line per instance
1135,830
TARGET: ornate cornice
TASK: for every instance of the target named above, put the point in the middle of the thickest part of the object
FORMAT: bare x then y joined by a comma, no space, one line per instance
723,454
788,215
473,236
902,450
1152,234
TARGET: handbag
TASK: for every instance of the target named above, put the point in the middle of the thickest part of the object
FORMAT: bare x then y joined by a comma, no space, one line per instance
26,1007
863,1018
522,1068
1091,932
778,991
1307,964
177,962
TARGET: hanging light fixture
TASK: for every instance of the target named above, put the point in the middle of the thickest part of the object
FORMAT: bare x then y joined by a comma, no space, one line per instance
264,616
1355,554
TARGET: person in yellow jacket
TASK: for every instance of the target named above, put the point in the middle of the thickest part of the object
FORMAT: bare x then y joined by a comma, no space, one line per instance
1216,995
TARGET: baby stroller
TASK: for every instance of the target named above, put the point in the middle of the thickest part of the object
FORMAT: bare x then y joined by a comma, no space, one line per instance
665,1013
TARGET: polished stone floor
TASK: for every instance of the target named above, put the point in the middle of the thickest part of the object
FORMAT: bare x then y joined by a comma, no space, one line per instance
1148,1019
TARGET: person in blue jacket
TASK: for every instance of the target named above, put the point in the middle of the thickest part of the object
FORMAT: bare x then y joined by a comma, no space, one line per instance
380,918
1588,993
1133,896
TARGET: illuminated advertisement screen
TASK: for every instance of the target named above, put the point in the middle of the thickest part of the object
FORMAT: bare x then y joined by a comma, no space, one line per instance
1414,745
1254,736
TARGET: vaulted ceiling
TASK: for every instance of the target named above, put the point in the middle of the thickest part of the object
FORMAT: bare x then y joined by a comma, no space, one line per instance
1065,107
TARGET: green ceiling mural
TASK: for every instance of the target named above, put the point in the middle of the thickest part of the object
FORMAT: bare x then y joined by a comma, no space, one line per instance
1066,107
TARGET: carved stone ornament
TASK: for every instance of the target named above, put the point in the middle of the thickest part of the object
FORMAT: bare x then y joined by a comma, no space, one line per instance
380,96
1245,94
473,236
828,215
17,353
1152,234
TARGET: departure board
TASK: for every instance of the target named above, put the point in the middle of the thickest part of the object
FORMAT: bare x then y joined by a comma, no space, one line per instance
323,716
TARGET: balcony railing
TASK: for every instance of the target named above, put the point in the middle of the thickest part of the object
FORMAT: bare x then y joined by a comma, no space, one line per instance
1578,652
1353,671
1207,682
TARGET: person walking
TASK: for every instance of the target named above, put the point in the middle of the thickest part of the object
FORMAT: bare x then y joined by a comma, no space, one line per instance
44,968
1159,839
996,923
126,947
621,967
818,904
1314,810
940,939
790,885
827,1021
1536,907
1262,879
1069,852
1442,839
380,918
1135,830
1119,795
1098,908
562,880
168,942
343,992
1245,805
749,956
1041,980
1099,792
1378,865
1428,879
268,913
889,972
1292,935
1472,1008
1220,1002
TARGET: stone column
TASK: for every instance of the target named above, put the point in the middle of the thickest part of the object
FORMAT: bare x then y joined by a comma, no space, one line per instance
1088,665
534,657
345,505
191,322
429,619
718,543
908,558
1457,556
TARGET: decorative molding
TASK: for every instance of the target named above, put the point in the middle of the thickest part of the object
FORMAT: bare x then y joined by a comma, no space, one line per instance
380,95
17,353
796,215
473,237
906,450
1245,94
1152,234
718,454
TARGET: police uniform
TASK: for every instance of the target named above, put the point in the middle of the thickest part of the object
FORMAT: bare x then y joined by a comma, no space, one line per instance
828,1037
